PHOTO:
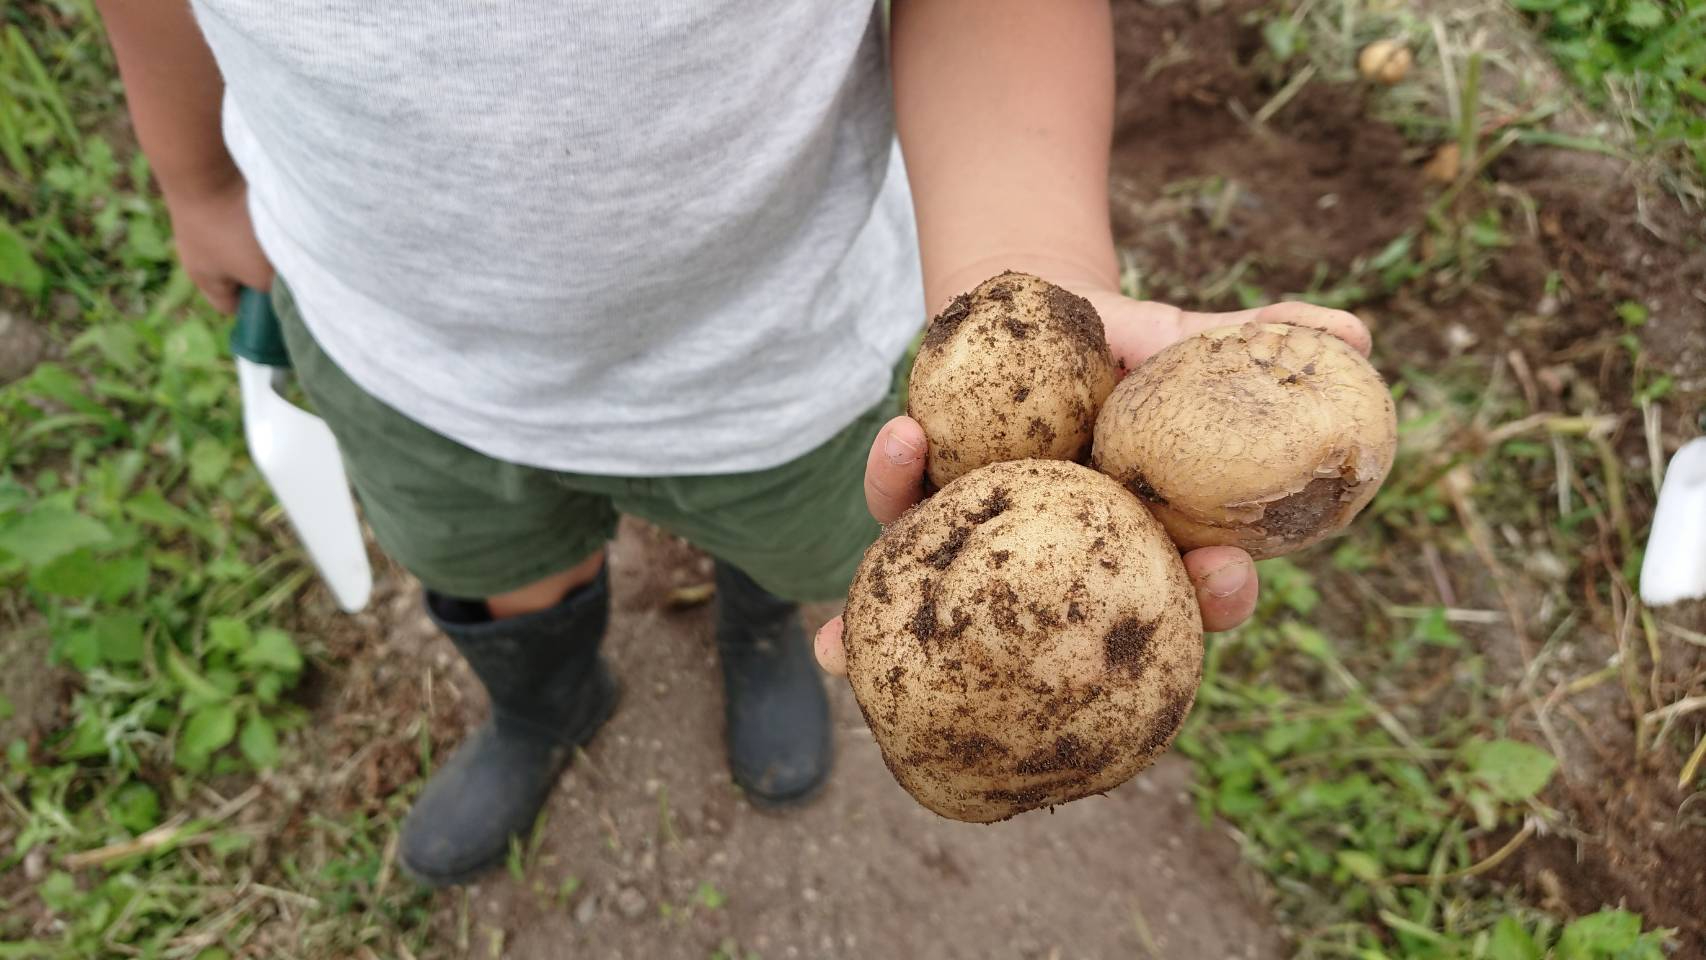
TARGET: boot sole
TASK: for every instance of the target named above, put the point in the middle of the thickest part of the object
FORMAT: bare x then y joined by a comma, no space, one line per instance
465,876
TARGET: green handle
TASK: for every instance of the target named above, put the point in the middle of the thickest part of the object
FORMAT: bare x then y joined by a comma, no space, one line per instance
257,336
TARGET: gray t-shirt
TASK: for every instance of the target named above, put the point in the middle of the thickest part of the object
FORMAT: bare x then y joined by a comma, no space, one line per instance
630,237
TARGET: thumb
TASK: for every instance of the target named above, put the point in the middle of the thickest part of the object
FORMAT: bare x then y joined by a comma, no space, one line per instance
831,655
894,471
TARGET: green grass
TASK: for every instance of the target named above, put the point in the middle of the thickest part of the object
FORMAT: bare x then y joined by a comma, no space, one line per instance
133,525
1644,60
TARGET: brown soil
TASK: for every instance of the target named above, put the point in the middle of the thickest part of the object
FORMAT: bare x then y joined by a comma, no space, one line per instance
38,698
1316,184
21,346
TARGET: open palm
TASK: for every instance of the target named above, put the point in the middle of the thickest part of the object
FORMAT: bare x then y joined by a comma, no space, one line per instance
1225,578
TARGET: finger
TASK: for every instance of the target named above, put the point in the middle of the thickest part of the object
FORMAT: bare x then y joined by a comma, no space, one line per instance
1344,325
1226,584
894,471
219,291
831,655
257,275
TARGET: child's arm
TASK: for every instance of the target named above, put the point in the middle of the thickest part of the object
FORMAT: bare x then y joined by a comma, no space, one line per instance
1005,110
174,90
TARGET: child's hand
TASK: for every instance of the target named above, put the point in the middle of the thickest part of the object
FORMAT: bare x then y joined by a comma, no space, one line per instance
1225,577
216,242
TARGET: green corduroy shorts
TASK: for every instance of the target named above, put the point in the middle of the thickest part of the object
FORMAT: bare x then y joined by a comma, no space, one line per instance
469,525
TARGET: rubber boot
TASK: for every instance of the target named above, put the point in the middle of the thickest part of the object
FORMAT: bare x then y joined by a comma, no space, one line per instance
778,734
550,692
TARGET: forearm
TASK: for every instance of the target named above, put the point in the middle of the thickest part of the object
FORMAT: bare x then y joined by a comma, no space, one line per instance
1005,113
174,88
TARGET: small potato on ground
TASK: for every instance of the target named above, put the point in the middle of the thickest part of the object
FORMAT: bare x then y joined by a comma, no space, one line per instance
1025,637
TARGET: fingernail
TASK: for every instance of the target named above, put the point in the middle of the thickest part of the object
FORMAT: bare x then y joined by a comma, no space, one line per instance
900,452
1227,581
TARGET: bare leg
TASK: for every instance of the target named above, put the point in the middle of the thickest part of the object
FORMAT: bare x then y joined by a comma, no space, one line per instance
544,594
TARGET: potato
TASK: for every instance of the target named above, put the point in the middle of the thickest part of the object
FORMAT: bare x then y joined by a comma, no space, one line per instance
1017,368
1026,637
1385,61
1262,436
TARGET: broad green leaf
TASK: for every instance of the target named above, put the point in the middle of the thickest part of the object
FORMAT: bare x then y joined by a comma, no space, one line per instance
13,495
79,647
1633,314
1511,942
268,686
119,637
18,268
198,690
48,533
227,633
1434,628
1644,14
190,344
146,243
59,891
1361,865
54,382
1600,936
225,680
135,807
152,507
272,648
117,343
6,708
81,573
77,574
206,731
1510,770
259,741
208,459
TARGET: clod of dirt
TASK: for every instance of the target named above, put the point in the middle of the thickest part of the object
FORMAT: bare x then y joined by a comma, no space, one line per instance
1016,368
630,903
1263,436
1026,637
1385,61
21,347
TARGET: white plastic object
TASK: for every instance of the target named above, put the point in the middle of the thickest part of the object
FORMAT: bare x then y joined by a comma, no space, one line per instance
1674,568
297,454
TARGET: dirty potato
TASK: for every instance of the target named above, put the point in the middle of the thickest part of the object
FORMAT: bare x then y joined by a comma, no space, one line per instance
1016,368
1026,637
1262,436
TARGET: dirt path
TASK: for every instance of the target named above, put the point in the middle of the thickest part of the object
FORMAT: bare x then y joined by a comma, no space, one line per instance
653,830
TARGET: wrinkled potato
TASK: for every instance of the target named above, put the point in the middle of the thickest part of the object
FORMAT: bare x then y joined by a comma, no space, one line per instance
1026,637
1016,368
1262,436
